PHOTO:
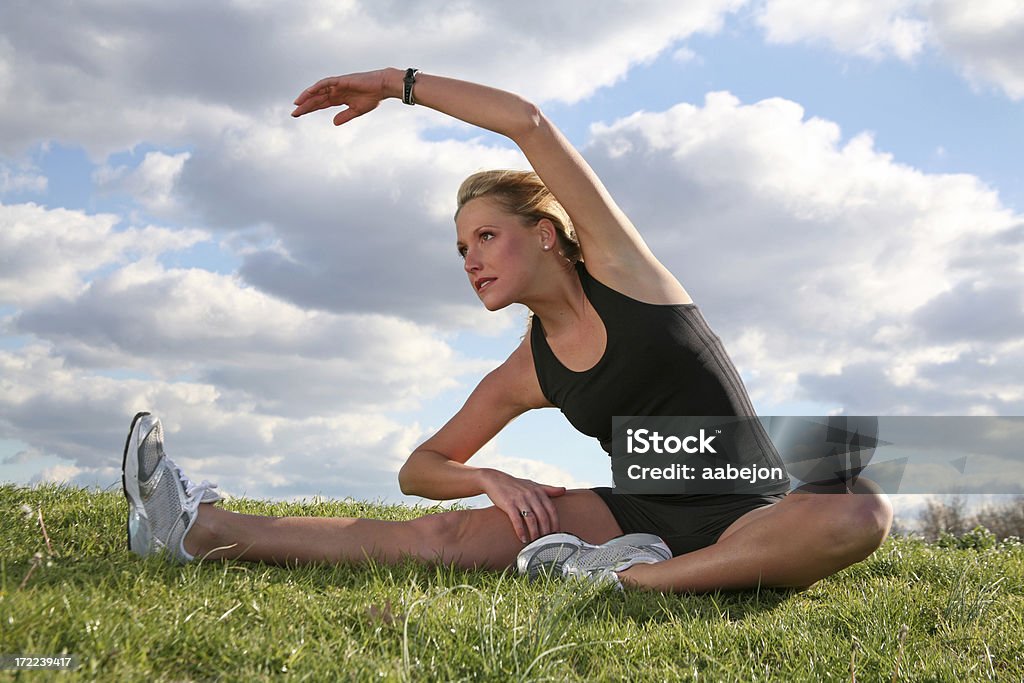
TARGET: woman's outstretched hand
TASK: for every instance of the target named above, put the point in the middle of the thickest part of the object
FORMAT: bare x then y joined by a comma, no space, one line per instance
359,93
515,496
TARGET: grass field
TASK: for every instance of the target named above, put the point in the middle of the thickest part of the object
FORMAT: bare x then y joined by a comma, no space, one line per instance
912,611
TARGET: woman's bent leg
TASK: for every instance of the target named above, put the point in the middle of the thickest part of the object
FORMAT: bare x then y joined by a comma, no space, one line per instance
794,543
469,538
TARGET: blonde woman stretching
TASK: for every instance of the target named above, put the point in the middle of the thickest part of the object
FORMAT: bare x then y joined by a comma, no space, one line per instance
613,332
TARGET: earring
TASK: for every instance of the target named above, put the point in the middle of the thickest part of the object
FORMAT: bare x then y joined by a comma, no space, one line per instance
546,247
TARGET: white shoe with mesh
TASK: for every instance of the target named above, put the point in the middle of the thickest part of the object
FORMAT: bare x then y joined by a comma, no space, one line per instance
566,555
547,555
599,564
162,502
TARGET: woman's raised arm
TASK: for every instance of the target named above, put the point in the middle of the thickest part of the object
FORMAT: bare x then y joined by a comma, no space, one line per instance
611,245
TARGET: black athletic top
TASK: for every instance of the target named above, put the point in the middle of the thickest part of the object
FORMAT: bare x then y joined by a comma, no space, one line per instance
660,359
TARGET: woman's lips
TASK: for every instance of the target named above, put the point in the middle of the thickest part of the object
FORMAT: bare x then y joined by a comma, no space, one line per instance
484,282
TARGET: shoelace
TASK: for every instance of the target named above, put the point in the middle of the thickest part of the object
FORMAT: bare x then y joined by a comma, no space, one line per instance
192,490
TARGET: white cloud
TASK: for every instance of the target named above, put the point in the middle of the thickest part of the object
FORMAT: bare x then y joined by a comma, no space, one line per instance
59,474
984,39
22,457
526,468
48,253
151,183
685,55
20,180
870,29
256,350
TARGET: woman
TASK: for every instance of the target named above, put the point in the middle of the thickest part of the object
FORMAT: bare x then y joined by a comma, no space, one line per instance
557,243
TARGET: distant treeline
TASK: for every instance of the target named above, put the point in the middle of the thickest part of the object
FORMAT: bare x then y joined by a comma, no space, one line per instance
948,517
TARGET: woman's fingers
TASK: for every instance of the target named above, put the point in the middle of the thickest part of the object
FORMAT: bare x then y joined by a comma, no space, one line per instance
519,525
539,517
532,524
320,95
544,509
550,524
530,521
338,92
317,102
311,104
528,505
320,87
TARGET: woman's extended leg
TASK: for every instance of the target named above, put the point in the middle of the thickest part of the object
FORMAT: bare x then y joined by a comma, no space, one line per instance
468,538
167,511
793,543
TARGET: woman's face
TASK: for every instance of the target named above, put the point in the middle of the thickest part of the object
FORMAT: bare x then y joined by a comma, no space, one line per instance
500,254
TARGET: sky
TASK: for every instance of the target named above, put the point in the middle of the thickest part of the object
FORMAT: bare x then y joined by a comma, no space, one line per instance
838,187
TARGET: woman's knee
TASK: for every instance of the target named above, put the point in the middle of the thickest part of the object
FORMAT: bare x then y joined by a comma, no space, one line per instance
458,527
858,522
876,514
442,529
469,538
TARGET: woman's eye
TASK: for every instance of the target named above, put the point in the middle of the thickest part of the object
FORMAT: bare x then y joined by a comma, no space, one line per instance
483,237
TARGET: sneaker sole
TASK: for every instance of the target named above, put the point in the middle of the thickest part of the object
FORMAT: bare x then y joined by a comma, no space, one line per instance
130,479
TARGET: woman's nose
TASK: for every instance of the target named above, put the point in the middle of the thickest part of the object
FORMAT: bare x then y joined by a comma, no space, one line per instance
470,261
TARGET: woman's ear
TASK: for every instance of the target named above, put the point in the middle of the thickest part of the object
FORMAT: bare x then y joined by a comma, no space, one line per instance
547,233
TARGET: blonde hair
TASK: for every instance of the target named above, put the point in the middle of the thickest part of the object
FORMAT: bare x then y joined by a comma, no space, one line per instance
522,194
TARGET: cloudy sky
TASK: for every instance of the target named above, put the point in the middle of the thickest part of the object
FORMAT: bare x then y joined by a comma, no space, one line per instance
838,187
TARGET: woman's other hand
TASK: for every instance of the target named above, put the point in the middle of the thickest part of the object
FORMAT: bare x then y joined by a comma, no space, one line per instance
359,93
527,503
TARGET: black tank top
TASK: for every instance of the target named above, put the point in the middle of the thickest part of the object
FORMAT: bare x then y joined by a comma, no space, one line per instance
660,359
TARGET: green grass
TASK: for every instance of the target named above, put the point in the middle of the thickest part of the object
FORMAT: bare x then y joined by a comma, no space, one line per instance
133,619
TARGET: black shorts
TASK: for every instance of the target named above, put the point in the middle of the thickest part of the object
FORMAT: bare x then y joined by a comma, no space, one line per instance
685,522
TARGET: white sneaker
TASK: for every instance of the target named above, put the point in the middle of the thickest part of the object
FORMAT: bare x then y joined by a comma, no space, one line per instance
162,502
548,554
599,564
569,556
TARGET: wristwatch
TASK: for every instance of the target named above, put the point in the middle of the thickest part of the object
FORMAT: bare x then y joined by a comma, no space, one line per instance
409,80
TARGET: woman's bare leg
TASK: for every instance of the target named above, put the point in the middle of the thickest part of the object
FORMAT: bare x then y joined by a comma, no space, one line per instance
793,543
468,538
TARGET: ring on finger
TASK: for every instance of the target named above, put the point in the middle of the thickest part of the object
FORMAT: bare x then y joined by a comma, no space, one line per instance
525,513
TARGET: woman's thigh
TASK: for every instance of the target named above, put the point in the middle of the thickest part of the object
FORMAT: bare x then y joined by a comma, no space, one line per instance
485,537
793,499
583,513
810,507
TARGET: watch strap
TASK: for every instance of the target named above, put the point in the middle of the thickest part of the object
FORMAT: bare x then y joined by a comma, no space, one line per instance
409,81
